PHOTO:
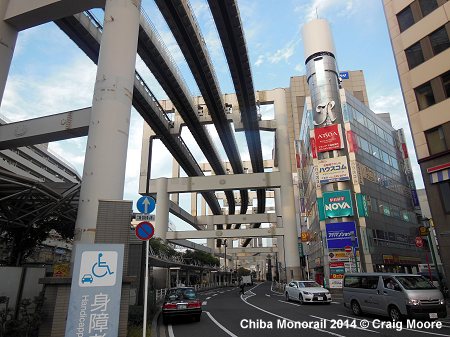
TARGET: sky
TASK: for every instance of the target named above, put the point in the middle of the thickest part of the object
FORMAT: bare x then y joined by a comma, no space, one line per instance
50,74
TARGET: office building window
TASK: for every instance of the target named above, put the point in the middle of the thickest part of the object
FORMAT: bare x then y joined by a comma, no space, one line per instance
436,140
446,83
427,6
444,187
414,55
439,40
405,19
424,96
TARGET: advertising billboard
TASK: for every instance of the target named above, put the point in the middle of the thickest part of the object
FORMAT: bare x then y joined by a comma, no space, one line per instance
337,204
339,235
333,169
328,138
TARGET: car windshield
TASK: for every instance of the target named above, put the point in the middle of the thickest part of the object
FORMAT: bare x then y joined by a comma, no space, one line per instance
414,282
181,294
309,284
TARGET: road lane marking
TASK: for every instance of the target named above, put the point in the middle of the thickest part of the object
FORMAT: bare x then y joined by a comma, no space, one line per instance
354,327
287,319
336,302
204,303
420,331
267,295
208,298
170,330
218,324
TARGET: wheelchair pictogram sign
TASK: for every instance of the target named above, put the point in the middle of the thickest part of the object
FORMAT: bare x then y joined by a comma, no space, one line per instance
98,268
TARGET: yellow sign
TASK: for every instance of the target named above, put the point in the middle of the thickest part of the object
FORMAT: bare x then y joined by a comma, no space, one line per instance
305,236
61,270
423,231
337,276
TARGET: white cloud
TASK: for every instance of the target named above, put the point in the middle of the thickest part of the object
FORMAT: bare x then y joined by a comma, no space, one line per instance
328,8
259,61
300,68
285,53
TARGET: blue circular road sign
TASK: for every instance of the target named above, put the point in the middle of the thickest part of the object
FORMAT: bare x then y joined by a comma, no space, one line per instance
146,204
145,231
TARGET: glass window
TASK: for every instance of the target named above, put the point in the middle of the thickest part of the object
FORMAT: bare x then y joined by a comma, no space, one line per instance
385,157
374,204
405,216
364,145
359,117
379,131
436,140
386,210
439,40
352,281
405,19
444,187
427,6
370,125
394,163
414,282
414,55
424,96
446,83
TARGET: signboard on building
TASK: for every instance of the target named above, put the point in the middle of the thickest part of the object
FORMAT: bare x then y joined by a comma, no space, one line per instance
337,204
95,291
305,236
335,283
344,75
361,205
328,138
333,169
341,234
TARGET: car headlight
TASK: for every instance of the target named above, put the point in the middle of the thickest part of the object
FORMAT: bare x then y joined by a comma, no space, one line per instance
306,293
442,301
413,302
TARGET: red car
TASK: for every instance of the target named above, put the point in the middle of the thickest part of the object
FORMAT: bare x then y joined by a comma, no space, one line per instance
181,301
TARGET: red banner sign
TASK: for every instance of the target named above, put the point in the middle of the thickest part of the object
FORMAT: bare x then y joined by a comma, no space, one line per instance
328,138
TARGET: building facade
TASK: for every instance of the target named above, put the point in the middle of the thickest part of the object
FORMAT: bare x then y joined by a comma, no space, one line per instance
419,32
357,193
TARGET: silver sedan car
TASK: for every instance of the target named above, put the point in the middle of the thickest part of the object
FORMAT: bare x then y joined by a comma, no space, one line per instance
307,291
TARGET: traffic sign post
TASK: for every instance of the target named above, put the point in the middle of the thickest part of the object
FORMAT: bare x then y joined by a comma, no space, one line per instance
146,204
145,231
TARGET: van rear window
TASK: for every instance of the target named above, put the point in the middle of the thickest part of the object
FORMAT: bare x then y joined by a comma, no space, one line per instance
364,282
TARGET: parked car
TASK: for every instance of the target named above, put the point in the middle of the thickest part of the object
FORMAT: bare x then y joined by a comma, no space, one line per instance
307,291
393,295
181,301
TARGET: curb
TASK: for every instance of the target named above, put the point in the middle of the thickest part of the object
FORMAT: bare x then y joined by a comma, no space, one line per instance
154,331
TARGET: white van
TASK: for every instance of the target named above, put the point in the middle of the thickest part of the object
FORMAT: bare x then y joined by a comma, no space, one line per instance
393,295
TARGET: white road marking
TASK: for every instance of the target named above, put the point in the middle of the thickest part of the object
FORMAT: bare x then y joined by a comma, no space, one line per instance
170,330
336,302
267,295
219,325
421,331
208,298
204,303
287,319
354,327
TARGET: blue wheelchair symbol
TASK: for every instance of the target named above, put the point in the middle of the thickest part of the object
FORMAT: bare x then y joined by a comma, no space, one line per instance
101,268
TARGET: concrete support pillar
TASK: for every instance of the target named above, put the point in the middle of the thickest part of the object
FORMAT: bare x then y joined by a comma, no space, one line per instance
162,209
175,197
280,240
8,38
287,205
106,150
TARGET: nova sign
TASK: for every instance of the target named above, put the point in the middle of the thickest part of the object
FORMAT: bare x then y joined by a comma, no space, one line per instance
337,204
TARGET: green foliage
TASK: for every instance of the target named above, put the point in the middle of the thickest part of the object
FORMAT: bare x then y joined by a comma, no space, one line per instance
202,257
28,321
159,247
243,271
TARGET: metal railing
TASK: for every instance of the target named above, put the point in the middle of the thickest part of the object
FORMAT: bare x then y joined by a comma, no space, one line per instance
161,293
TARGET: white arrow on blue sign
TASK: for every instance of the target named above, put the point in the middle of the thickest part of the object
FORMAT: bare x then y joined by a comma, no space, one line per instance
146,204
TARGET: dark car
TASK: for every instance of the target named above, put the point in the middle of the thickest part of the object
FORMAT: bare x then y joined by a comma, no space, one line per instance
181,301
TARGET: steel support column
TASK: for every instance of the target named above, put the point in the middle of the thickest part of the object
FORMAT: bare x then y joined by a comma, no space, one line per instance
287,202
106,150
8,38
